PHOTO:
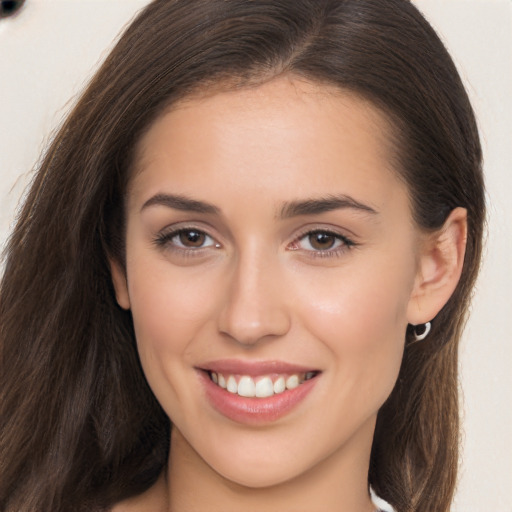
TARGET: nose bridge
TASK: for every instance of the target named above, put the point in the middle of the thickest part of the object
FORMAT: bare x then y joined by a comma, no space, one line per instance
254,307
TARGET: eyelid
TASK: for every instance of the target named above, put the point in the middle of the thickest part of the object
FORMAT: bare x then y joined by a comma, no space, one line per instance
346,242
164,238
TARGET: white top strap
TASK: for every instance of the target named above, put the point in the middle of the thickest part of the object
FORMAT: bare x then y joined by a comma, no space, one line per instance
382,505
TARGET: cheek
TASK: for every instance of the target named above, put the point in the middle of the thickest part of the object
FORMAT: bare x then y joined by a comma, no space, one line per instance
169,308
360,306
360,316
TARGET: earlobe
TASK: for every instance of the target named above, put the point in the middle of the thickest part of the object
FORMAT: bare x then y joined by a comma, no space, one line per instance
120,284
439,268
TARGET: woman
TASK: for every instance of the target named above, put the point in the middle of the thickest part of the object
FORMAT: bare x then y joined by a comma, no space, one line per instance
262,223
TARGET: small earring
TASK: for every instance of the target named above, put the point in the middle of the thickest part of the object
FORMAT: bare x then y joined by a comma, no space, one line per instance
422,335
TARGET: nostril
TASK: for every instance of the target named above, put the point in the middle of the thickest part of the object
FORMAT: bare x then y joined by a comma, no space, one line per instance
10,7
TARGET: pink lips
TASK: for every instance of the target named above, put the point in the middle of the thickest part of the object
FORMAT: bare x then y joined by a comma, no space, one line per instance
234,366
253,410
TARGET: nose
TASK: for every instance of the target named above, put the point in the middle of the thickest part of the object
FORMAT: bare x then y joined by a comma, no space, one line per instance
255,306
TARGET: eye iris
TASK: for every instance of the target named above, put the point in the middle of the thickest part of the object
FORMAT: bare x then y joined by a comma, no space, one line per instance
322,240
192,238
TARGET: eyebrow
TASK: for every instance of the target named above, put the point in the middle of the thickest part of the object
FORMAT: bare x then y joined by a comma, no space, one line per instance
179,202
322,205
288,210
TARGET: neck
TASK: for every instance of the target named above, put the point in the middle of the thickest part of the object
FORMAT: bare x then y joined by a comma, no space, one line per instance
338,482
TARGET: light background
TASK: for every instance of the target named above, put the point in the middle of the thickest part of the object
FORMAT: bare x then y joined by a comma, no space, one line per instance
52,47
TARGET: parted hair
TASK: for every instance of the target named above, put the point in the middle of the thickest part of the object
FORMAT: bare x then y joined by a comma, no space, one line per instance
79,427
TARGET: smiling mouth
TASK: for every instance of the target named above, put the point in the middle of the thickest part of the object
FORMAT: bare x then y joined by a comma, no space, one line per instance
263,386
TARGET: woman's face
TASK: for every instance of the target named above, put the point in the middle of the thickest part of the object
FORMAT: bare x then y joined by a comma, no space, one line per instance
270,245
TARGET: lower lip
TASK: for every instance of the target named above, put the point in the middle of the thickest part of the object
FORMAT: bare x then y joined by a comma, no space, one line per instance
254,411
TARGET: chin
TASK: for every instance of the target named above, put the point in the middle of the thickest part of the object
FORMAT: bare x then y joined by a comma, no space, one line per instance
258,477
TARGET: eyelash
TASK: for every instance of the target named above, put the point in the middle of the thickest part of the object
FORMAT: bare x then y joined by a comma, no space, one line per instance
164,240
345,243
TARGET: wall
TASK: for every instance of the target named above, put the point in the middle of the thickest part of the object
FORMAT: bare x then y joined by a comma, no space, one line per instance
53,46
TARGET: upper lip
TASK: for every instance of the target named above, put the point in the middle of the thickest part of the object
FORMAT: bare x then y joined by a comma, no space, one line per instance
253,368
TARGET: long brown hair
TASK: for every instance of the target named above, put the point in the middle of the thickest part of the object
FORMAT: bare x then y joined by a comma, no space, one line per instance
79,426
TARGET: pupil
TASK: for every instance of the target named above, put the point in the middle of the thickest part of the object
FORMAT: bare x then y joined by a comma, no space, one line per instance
192,238
322,240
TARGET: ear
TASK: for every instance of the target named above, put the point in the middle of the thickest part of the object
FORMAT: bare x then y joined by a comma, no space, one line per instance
120,284
439,268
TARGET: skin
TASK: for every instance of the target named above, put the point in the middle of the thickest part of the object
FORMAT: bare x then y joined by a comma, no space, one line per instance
258,289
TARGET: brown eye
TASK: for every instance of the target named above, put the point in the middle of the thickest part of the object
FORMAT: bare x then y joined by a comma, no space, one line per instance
186,239
322,240
322,243
191,238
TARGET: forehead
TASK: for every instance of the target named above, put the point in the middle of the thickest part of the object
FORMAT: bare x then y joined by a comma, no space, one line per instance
286,135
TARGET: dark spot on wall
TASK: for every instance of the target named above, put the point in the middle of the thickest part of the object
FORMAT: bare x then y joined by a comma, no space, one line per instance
10,7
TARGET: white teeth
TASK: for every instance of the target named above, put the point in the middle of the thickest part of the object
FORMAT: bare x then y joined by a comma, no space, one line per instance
232,386
292,381
279,385
264,387
246,387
